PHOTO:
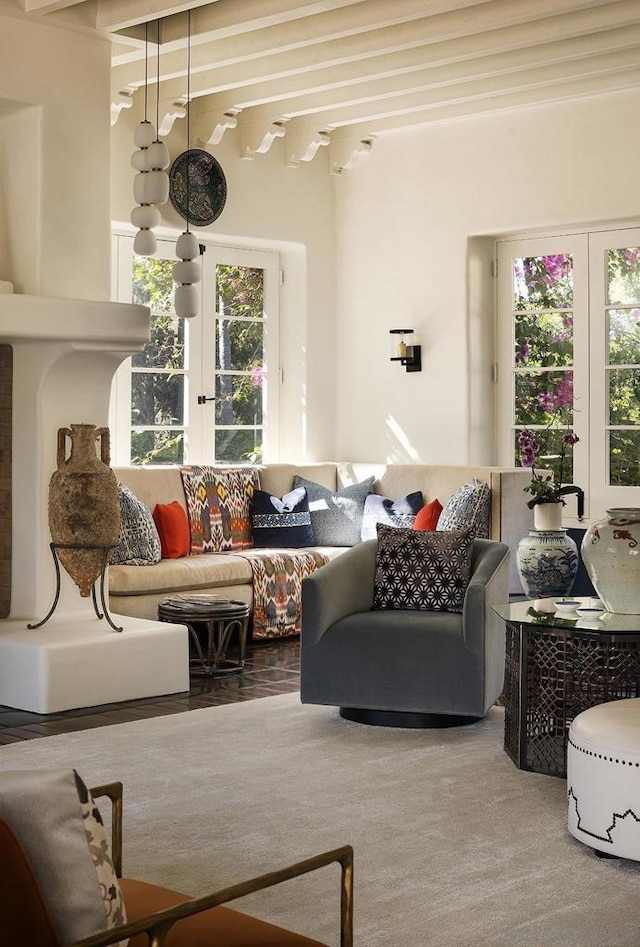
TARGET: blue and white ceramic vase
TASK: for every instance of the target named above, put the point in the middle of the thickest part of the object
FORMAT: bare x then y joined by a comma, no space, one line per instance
547,563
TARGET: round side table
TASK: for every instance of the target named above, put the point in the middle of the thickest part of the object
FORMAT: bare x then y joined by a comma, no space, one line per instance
211,626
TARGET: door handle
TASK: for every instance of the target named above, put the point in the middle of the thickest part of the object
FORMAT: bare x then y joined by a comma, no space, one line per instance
202,399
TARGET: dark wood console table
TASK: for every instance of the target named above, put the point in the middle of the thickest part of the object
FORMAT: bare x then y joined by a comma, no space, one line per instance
555,667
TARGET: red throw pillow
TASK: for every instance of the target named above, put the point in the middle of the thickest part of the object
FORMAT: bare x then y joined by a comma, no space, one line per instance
173,528
426,518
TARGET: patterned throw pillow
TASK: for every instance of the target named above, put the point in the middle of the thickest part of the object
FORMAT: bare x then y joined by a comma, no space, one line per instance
336,518
379,509
281,524
417,569
139,543
74,872
218,504
468,508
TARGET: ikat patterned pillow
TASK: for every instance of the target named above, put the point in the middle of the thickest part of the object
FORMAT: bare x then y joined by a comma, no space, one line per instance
420,570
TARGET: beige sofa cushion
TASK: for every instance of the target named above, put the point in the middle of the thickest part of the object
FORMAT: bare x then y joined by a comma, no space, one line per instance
211,570
153,484
277,479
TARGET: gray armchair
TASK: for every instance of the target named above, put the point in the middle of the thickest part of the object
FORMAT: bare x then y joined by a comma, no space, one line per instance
401,667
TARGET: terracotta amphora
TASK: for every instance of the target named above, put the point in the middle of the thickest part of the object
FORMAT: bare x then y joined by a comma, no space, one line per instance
84,504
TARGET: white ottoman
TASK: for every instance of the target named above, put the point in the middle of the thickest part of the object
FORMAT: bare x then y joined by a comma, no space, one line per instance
603,778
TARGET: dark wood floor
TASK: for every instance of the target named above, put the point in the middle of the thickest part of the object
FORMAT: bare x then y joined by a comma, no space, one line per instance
271,667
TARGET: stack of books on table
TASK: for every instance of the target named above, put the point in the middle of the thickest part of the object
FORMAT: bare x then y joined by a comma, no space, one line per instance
194,601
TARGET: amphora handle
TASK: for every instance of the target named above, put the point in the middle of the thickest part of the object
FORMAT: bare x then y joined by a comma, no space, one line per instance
105,444
63,433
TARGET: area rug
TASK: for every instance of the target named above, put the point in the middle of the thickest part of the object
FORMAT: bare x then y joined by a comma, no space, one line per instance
454,846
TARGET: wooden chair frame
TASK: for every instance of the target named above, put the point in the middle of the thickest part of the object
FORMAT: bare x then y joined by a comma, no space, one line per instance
157,926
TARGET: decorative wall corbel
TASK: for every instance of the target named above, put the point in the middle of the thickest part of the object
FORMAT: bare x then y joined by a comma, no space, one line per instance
346,152
119,101
170,114
297,155
220,124
267,134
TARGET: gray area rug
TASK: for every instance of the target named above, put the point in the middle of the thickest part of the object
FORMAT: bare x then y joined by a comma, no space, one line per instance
453,844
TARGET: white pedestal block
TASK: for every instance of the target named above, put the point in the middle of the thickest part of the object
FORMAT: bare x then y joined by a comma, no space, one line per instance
74,661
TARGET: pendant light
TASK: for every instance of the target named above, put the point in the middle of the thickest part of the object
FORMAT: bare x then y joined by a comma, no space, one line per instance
187,272
151,183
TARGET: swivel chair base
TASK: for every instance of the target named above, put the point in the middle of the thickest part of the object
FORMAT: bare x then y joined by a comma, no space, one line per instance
402,718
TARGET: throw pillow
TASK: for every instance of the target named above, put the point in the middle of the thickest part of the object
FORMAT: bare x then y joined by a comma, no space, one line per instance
139,543
173,529
379,509
45,811
427,518
468,508
285,523
428,570
336,518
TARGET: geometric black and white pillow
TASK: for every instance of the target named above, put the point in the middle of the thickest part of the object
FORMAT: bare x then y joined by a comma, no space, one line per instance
416,569
139,542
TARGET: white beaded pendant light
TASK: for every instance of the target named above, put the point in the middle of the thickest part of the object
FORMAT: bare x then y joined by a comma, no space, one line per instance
187,272
151,183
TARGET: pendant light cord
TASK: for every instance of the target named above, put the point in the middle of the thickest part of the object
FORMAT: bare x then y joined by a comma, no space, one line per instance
188,110
158,83
146,66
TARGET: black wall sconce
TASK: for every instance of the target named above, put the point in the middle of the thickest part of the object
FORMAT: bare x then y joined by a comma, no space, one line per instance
408,355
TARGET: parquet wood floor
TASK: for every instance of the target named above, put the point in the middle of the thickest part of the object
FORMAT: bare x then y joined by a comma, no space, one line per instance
271,667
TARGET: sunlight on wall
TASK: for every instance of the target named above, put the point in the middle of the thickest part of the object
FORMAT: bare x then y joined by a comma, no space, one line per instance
399,448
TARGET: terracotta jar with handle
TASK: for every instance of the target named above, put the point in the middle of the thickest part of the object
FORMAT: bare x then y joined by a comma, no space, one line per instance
84,503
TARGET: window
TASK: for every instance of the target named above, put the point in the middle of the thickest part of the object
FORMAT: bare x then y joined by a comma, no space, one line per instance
569,357
202,390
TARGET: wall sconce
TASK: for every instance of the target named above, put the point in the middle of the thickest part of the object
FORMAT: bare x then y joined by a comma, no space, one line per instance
408,355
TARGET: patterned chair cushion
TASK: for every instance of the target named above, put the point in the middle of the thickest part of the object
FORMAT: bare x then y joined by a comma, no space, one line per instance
139,543
415,569
378,509
468,508
336,518
281,524
59,828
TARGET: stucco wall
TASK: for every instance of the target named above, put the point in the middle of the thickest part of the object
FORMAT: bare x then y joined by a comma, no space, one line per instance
412,219
54,160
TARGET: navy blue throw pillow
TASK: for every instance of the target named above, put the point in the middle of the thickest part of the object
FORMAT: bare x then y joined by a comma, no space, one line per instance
281,524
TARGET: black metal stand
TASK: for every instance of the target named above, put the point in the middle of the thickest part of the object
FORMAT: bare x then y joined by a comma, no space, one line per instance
101,614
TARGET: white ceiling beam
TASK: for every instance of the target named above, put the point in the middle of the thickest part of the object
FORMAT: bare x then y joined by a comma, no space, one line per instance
523,98
233,68
621,47
404,103
113,15
47,6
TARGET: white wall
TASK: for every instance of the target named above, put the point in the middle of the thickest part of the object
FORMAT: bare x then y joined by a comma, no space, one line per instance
54,160
291,210
411,218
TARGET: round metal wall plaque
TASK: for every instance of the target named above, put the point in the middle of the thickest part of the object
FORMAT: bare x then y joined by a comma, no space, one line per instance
197,174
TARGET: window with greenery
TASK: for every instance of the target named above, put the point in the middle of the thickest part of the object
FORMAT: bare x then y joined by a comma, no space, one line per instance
202,390
569,357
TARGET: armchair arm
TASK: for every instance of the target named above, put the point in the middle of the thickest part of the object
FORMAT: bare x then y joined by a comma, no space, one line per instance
488,586
158,925
342,587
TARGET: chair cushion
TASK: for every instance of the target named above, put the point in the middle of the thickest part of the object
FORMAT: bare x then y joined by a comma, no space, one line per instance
416,569
139,543
378,509
222,927
427,518
281,524
468,508
173,529
55,823
336,518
